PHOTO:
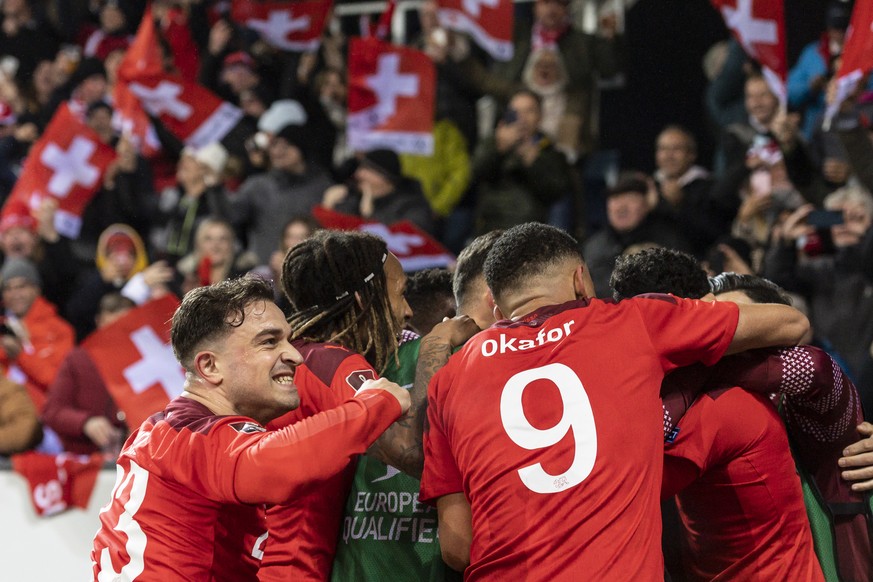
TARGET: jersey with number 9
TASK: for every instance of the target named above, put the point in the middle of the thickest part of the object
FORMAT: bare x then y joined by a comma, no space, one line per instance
552,428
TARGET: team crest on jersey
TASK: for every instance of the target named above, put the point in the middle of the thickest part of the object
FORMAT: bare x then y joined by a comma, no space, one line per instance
357,378
247,427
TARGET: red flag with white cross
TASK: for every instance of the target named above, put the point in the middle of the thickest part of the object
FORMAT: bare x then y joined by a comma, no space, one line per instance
190,112
142,58
857,57
488,22
414,248
288,26
391,97
134,357
66,163
759,26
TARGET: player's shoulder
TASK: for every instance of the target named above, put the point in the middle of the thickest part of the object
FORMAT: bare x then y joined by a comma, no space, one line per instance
326,360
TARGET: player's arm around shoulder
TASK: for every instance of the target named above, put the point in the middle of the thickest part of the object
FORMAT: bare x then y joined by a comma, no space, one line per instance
273,465
762,325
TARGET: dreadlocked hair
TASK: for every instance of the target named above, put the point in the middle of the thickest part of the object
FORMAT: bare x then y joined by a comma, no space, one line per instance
335,282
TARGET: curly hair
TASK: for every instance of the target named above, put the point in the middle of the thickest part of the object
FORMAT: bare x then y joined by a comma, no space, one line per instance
335,282
658,270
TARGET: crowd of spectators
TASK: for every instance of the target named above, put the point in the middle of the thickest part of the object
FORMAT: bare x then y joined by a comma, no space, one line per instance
192,216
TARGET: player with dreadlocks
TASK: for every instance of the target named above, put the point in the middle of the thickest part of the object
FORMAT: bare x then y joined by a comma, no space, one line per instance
348,311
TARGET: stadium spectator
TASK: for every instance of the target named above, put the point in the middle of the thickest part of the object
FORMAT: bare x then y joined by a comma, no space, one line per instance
629,224
79,408
381,192
292,186
519,172
35,339
216,256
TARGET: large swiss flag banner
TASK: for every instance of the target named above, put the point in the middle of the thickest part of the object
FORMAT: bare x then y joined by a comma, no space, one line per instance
136,361
857,58
391,97
289,26
414,248
488,22
759,26
66,163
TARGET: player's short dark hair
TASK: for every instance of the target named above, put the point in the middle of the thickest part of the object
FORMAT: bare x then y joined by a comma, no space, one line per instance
471,263
324,275
208,314
759,289
428,285
526,250
429,294
658,270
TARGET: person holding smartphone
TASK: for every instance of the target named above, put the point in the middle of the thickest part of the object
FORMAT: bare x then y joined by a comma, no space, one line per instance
519,171
826,265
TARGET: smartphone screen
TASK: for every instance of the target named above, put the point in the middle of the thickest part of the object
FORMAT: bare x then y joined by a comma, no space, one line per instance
824,218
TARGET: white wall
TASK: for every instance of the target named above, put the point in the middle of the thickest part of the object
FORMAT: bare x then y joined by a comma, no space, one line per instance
47,549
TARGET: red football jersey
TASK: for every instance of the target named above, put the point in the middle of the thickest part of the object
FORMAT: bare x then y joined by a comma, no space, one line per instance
743,511
552,428
188,499
303,533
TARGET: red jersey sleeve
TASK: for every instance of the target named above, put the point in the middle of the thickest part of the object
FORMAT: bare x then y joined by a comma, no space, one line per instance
441,475
685,331
230,465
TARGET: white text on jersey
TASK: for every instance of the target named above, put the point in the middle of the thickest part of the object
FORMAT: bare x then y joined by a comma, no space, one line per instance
513,344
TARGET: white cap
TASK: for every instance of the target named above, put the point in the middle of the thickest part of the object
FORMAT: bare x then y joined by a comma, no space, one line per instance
281,113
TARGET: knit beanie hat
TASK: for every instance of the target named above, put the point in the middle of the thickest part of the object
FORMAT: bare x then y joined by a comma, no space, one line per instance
19,267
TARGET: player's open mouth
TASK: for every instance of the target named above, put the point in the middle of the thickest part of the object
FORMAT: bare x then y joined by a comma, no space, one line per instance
284,379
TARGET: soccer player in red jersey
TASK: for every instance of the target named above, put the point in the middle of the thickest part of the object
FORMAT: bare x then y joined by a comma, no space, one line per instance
346,323
531,447
193,479
739,497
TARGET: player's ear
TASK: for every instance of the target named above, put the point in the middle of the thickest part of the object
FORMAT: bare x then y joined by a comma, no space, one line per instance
583,286
206,366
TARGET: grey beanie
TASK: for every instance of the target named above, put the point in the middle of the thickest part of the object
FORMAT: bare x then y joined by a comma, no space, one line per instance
19,267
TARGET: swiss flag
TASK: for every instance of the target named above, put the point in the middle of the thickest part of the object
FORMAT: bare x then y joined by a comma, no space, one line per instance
143,58
289,26
488,22
58,482
391,97
414,248
857,58
66,163
135,360
759,26
190,112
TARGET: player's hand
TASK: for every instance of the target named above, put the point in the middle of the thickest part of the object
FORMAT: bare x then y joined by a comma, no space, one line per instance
401,394
455,331
12,345
858,460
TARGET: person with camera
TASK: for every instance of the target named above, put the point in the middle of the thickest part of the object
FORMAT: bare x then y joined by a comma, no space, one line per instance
518,170
825,264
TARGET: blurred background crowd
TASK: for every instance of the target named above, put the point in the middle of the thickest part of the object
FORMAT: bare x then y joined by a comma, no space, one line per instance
629,124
